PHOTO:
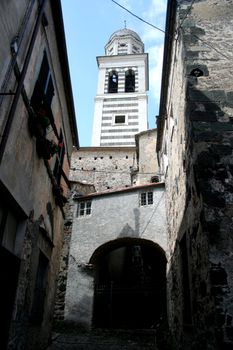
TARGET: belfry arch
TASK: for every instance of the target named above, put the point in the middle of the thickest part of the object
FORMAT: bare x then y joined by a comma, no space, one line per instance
130,284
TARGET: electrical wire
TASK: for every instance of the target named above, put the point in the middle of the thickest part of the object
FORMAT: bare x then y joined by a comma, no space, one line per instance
154,211
186,15
180,27
195,36
141,19
211,46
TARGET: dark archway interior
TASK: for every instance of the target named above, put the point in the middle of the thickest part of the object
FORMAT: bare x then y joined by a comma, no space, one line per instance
130,81
130,284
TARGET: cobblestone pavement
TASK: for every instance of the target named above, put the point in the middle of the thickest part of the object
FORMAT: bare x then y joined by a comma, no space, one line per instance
105,340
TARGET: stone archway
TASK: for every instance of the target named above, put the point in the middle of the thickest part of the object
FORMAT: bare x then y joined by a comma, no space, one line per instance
130,284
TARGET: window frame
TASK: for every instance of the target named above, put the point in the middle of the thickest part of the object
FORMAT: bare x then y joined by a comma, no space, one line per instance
119,119
58,167
119,115
146,198
84,208
44,87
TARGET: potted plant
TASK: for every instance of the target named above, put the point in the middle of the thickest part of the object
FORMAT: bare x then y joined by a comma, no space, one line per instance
46,148
40,119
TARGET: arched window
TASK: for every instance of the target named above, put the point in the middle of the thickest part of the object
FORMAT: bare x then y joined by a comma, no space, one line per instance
112,81
129,81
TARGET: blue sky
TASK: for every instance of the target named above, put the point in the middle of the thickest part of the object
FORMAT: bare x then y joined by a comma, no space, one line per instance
88,26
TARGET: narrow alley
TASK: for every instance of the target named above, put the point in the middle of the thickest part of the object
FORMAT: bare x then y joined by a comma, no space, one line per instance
124,242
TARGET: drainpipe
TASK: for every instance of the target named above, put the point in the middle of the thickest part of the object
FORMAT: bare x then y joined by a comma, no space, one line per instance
20,82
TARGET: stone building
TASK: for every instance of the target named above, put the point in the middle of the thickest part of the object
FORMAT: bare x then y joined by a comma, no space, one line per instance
117,260
113,167
195,138
103,167
38,131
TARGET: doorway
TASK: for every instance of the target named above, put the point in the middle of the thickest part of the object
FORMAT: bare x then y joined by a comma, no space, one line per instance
130,284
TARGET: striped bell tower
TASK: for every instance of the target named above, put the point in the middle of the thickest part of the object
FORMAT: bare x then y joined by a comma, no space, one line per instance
121,100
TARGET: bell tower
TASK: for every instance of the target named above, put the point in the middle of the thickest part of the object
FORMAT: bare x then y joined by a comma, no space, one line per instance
121,101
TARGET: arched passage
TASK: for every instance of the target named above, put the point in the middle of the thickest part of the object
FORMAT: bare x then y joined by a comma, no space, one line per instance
130,284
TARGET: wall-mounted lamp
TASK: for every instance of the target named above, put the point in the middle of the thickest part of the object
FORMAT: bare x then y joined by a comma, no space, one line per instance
196,72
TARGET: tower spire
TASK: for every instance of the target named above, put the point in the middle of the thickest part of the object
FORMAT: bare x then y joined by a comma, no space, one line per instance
125,23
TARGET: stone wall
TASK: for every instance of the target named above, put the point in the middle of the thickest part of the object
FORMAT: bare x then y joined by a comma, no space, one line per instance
196,157
30,196
103,167
148,169
64,257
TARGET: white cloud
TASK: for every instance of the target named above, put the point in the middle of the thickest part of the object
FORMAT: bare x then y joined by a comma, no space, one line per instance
151,34
157,8
126,4
155,14
155,70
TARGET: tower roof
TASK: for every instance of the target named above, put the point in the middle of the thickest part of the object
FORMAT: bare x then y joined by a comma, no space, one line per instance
124,42
124,32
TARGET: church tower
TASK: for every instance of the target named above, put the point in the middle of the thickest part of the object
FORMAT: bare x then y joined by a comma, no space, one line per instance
121,100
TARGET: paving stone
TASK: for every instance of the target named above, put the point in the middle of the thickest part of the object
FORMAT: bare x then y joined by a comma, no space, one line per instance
105,340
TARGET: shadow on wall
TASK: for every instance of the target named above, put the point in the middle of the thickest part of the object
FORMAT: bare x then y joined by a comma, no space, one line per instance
194,302
128,231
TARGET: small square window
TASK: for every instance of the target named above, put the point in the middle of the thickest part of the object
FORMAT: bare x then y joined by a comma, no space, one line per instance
146,198
84,208
119,119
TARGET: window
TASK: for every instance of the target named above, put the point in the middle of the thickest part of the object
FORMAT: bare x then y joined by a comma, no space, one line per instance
129,81
146,198
122,49
112,82
44,89
84,208
136,49
119,119
57,172
155,178
110,51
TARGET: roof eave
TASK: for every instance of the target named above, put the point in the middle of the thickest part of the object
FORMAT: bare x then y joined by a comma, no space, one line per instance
168,44
61,43
119,191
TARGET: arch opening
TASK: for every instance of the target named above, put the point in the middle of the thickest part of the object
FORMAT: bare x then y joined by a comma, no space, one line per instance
112,82
129,81
130,284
